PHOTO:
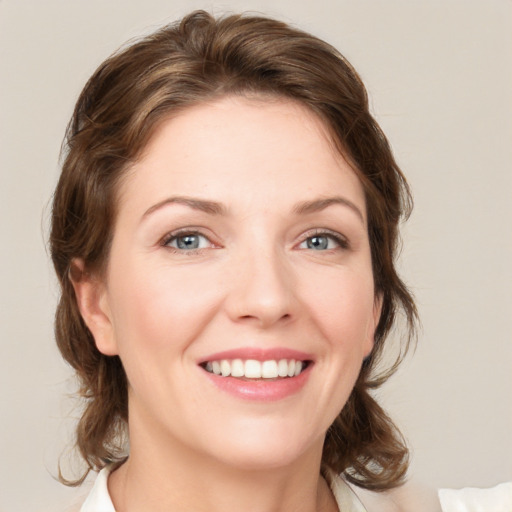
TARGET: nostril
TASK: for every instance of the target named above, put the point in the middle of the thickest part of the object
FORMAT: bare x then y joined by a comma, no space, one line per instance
266,318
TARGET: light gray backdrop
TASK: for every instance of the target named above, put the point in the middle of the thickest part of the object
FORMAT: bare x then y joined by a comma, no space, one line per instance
440,79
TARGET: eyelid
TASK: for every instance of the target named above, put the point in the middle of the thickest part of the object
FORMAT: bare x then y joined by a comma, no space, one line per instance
340,239
166,239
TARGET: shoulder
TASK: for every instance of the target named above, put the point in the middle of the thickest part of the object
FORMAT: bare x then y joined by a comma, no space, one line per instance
411,496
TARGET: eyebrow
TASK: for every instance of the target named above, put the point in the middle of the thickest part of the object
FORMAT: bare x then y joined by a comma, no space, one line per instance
317,205
215,208
211,207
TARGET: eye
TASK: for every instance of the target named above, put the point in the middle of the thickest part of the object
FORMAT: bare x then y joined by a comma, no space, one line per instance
324,241
187,241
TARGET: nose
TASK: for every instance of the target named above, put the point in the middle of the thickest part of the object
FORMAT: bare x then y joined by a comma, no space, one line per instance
263,289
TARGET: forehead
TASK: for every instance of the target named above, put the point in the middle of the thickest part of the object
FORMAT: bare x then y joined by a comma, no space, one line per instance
238,147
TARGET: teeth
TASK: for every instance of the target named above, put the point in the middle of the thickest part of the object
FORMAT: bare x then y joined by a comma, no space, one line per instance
216,367
237,368
282,368
225,368
269,370
252,369
291,368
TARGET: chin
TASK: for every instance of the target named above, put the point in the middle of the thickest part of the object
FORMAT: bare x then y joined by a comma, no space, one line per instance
267,446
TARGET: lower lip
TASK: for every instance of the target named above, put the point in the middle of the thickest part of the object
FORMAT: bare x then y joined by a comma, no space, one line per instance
266,390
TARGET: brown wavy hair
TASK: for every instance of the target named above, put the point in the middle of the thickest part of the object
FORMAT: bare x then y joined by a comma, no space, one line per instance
198,59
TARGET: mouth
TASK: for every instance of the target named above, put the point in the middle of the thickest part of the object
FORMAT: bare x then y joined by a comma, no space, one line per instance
252,369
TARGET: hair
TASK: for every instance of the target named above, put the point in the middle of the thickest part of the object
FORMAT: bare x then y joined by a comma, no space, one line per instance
198,59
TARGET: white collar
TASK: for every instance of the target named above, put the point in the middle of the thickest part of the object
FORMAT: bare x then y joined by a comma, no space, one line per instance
98,499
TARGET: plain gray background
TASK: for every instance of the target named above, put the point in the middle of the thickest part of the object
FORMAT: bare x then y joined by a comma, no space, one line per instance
440,81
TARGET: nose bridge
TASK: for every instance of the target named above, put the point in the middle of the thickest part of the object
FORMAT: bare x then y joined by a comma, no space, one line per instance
262,284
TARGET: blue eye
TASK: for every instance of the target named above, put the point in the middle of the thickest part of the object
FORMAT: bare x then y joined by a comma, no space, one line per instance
318,243
323,242
188,241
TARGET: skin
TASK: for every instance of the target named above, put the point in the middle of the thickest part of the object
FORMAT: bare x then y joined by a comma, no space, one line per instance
254,281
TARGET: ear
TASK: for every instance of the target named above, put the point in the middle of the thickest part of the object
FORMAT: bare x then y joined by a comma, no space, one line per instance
372,326
92,299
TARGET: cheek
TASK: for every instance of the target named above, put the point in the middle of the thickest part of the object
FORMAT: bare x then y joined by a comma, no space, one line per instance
342,304
160,309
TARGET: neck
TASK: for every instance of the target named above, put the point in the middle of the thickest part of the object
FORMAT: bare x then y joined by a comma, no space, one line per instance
178,479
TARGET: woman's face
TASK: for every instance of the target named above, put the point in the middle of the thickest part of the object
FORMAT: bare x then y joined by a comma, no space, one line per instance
240,246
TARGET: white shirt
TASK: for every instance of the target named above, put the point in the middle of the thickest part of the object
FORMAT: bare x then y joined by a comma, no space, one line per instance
494,499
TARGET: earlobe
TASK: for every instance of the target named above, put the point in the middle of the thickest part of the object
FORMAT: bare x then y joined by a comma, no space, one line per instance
92,300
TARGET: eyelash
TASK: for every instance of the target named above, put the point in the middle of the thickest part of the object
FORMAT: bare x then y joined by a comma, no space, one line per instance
181,234
339,239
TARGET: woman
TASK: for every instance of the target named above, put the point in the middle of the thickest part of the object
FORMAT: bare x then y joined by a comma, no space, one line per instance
224,231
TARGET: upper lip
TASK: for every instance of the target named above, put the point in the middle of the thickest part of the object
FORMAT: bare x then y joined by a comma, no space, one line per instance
258,354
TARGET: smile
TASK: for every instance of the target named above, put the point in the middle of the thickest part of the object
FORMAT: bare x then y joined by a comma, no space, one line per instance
254,369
